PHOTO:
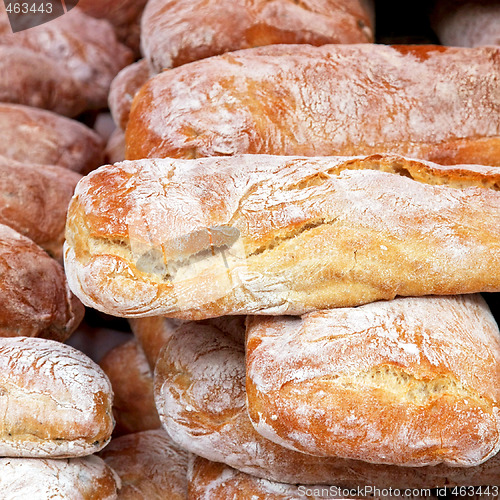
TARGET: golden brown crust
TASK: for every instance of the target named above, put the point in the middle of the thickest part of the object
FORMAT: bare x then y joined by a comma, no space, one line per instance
55,402
430,102
150,466
128,371
201,399
82,50
35,300
413,381
87,478
34,200
31,135
361,229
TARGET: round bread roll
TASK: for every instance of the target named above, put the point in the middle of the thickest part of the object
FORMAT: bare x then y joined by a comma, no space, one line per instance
412,381
201,399
182,31
35,300
34,201
429,102
87,478
54,401
128,371
31,135
150,466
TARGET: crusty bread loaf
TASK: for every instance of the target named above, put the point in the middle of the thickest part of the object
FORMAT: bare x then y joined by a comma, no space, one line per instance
194,239
123,89
430,102
151,466
182,31
200,396
34,200
32,135
128,371
412,381
54,401
35,300
82,50
87,478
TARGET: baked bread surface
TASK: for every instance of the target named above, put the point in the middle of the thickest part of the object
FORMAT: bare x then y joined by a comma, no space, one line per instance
194,239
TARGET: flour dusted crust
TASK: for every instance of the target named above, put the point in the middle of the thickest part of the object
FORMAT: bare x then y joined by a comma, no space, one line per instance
85,478
194,239
200,396
182,31
431,102
150,465
54,401
412,381
81,50
128,371
35,300
31,135
34,200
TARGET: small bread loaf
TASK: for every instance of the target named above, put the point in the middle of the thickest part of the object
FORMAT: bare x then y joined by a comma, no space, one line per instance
55,402
430,102
194,239
182,31
78,47
201,399
123,89
31,135
87,478
35,300
150,465
412,381
128,371
34,200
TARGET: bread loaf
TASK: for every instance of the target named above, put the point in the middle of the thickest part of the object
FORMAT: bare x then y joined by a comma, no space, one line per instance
31,135
35,300
182,31
431,102
150,466
412,381
85,478
128,371
194,239
200,396
34,200
54,401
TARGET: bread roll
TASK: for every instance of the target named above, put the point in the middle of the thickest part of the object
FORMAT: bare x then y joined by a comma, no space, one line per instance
34,200
150,466
182,31
430,102
115,148
412,381
85,478
54,401
128,371
31,135
35,300
194,239
123,89
78,46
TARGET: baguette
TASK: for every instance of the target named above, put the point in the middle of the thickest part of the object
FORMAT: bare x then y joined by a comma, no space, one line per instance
35,300
182,31
413,381
194,239
54,401
85,478
430,102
